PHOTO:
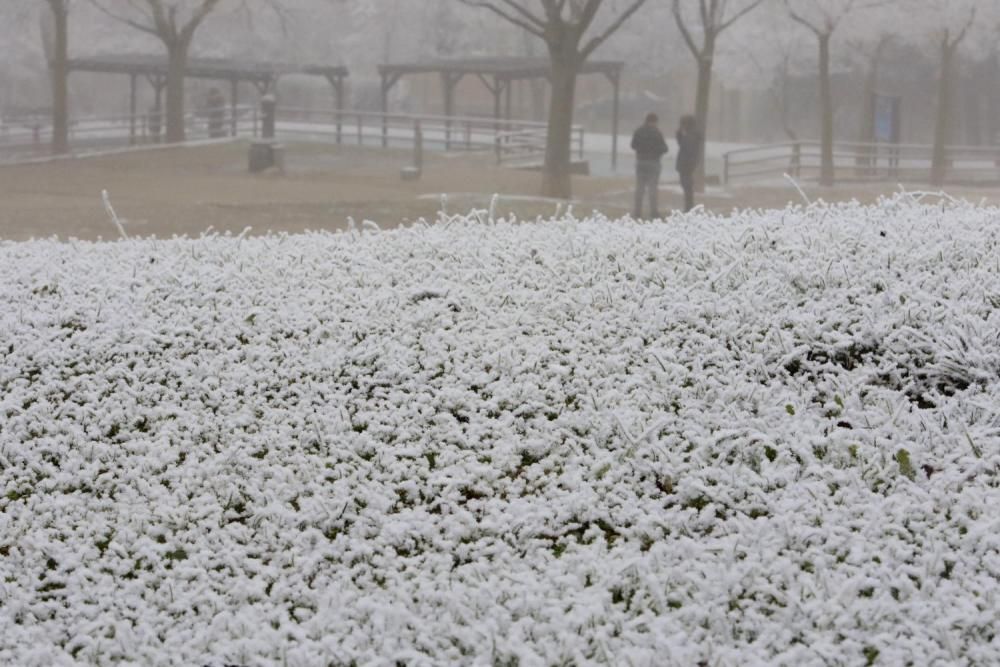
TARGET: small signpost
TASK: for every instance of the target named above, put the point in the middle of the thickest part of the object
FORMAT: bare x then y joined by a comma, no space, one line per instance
888,118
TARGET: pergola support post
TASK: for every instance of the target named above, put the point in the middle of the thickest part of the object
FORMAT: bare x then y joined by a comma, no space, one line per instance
234,94
133,109
496,90
389,80
155,122
384,107
509,103
338,102
449,82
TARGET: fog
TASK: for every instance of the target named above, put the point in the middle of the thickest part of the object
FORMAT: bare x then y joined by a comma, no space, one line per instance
499,332
814,73
765,65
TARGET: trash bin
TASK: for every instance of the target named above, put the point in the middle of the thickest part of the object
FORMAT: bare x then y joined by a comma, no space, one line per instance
269,111
266,155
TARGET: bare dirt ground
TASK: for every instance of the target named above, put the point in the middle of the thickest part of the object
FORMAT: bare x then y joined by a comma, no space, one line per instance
184,191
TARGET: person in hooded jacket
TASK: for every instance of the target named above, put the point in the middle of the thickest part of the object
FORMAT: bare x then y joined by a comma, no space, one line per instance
688,157
650,147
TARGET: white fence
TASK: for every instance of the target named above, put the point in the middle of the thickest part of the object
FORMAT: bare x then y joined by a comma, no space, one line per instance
861,162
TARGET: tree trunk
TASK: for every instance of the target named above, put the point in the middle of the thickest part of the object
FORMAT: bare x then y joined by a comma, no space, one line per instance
826,173
993,98
702,101
177,54
60,78
939,166
866,133
556,181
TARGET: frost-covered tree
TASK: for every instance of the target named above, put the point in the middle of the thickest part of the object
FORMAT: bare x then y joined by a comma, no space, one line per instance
701,24
571,30
823,18
769,54
174,23
53,18
383,31
948,24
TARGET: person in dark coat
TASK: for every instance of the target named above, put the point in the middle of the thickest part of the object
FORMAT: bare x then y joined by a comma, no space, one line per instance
650,147
688,157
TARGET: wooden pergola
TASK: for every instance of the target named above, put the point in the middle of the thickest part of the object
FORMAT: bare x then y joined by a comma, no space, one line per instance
498,74
262,75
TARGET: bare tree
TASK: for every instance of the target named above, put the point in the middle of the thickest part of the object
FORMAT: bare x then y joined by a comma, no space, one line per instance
822,18
777,73
564,26
950,38
871,55
173,22
55,35
713,18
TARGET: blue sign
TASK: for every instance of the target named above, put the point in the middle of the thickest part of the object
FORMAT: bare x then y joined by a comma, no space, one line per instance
886,119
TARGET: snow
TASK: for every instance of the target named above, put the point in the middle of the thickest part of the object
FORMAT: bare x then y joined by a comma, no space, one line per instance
768,438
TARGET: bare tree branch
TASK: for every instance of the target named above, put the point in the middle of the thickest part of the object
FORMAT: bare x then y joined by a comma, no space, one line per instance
523,11
965,28
159,18
531,27
726,24
595,42
207,7
713,21
562,25
685,31
124,19
801,20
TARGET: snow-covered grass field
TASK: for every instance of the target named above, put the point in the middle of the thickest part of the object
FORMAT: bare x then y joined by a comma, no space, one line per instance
769,439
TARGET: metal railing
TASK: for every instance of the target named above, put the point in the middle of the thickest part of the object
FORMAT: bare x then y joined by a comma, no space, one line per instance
511,141
27,137
388,130
861,162
527,146
523,146
506,138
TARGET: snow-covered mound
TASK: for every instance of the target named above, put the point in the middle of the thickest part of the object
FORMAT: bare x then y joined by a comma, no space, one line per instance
766,439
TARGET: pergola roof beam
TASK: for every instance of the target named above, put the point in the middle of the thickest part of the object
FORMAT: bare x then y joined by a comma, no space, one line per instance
202,68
